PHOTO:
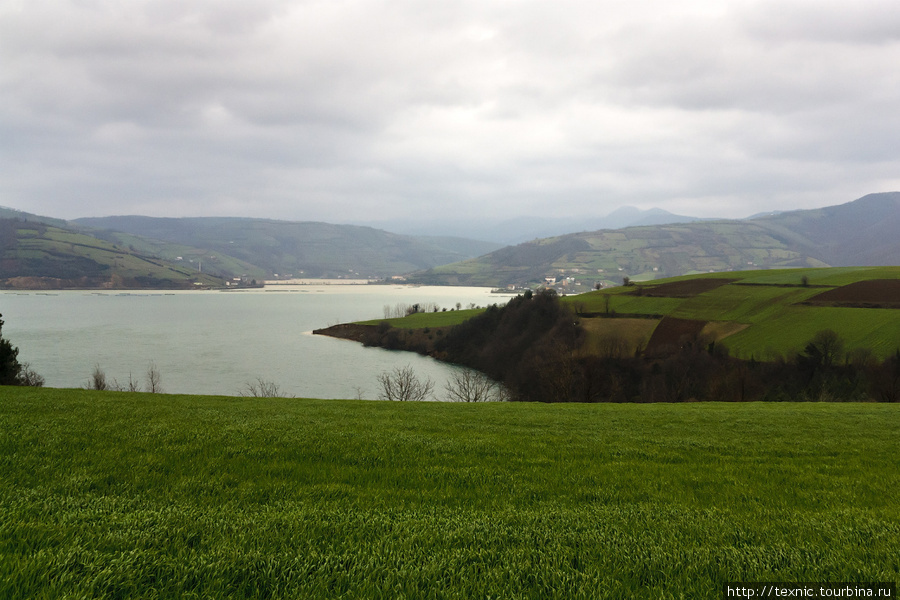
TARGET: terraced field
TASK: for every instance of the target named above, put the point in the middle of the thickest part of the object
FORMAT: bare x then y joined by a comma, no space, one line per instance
763,314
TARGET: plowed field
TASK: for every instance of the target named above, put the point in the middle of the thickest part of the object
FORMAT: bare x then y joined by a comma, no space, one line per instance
874,292
682,289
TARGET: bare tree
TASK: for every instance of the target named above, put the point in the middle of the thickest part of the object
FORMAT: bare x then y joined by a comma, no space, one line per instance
402,385
262,389
468,385
98,380
154,379
29,377
133,384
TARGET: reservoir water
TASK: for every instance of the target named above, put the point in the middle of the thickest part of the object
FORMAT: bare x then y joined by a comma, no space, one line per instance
216,342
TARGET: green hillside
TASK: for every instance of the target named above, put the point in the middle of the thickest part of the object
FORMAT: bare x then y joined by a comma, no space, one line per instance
118,495
36,255
862,232
762,314
300,249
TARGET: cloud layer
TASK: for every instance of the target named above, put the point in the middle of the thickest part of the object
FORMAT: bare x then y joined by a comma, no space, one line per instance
344,110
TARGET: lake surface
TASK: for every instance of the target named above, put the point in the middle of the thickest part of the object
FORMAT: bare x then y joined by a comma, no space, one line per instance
215,342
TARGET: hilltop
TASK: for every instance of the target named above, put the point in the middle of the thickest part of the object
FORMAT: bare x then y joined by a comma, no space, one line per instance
862,232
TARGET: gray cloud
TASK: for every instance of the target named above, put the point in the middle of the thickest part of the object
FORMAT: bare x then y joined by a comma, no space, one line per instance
361,110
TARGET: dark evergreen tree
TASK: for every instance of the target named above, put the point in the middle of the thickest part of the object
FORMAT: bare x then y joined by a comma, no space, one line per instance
9,362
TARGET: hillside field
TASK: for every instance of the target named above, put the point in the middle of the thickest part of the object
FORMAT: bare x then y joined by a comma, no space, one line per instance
35,255
118,495
763,314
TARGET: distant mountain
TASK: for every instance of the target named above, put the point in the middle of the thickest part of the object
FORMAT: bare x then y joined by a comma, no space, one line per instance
299,249
522,229
863,232
859,233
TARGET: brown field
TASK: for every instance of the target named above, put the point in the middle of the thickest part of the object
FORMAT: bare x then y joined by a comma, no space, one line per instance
670,334
682,289
872,293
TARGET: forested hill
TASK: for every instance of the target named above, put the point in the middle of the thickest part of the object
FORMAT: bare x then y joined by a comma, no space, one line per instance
301,249
859,233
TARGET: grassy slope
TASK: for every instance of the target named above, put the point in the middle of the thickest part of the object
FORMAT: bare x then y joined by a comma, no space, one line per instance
126,495
212,262
775,322
41,250
426,319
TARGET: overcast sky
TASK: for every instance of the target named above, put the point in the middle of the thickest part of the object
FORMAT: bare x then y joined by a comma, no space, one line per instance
353,110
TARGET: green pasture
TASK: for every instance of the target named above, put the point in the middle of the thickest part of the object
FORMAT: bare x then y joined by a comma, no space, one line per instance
793,327
117,495
429,319
622,303
742,303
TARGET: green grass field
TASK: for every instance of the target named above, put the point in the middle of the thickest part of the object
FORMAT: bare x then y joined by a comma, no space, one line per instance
429,319
116,495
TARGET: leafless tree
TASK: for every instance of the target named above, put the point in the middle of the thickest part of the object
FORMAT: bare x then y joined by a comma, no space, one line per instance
154,379
133,384
98,380
262,388
469,385
29,377
402,385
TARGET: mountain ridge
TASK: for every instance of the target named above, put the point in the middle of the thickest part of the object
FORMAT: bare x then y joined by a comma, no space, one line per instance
858,233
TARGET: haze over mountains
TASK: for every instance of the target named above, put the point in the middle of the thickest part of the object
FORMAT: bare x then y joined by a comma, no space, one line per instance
134,251
522,229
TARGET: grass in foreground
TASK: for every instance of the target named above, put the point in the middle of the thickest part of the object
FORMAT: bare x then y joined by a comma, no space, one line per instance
116,495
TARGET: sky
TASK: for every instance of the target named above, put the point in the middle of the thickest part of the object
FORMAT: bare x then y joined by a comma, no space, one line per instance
366,110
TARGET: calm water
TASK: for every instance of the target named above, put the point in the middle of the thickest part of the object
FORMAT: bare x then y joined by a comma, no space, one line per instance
215,342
